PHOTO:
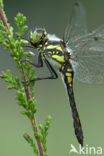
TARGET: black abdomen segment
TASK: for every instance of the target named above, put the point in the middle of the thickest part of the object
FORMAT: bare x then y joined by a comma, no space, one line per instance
67,72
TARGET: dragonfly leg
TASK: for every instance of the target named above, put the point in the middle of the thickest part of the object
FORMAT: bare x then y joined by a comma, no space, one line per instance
39,64
53,74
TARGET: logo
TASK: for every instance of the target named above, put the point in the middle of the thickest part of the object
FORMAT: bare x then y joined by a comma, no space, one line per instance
89,150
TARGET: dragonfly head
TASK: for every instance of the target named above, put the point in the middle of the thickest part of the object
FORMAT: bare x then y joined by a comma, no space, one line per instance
38,37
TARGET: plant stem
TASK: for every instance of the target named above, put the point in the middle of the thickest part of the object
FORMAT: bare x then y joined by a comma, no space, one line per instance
39,145
3,19
38,141
26,88
34,121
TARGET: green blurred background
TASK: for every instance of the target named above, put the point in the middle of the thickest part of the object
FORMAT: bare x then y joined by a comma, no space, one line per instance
51,95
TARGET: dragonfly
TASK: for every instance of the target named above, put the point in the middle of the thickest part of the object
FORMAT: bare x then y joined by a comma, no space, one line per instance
79,54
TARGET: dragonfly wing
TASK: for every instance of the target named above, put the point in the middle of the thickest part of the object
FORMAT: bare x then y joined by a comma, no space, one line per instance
88,57
67,74
78,24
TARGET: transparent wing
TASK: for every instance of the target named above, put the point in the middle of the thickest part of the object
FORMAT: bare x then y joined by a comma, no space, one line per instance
88,57
78,24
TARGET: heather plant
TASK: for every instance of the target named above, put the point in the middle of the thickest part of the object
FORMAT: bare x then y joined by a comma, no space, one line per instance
13,42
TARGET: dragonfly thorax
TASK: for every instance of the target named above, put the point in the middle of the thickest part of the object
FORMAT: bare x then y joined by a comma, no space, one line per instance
50,46
53,51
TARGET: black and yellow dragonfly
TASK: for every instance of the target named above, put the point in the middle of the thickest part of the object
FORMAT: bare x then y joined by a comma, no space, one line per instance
79,54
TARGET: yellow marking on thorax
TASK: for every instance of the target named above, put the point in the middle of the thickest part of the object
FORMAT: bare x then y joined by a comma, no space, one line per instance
50,52
54,47
58,58
40,45
62,67
53,52
44,48
57,52
46,43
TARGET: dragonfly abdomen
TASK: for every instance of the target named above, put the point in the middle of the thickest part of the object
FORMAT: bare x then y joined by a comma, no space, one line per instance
67,73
